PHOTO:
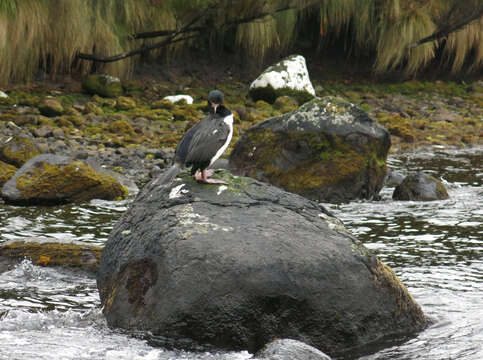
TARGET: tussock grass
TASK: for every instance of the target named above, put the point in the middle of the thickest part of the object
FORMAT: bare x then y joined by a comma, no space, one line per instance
46,35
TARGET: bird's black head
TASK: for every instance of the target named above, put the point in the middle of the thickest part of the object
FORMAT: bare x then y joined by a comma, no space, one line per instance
215,97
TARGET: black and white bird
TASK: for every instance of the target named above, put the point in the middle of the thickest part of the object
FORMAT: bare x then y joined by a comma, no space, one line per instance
204,143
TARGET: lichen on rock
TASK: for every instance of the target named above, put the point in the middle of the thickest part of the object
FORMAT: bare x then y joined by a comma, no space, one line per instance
328,150
289,77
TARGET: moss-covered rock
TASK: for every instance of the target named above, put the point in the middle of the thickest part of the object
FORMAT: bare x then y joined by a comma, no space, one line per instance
420,187
51,107
92,107
18,150
6,172
52,179
125,103
328,150
285,104
121,127
102,85
44,252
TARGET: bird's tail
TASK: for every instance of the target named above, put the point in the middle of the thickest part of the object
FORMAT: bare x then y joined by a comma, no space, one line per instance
169,174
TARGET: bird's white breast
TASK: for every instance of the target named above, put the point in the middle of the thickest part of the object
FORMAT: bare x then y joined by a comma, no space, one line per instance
228,120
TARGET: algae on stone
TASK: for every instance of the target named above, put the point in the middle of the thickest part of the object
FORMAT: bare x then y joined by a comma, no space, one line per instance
18,150
6,172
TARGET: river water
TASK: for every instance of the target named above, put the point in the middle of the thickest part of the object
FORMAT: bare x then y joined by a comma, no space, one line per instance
436,248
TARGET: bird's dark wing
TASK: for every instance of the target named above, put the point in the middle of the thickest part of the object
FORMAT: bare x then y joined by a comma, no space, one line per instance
184,144
206,142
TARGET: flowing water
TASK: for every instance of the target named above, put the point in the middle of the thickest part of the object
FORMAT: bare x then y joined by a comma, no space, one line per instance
436,248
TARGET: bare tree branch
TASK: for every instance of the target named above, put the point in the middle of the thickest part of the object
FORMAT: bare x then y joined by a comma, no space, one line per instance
173,36
446,30
142,49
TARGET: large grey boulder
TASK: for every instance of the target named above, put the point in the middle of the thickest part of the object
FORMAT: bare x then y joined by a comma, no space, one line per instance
420,187
53,179
238,265
327,150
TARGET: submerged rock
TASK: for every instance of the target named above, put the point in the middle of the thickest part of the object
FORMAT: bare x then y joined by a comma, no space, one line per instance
53,179
17,150
288,77
238,265
327,150
287,349
47,252
420,187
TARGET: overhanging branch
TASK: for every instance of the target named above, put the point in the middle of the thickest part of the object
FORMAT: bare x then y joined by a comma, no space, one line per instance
174,36
448,29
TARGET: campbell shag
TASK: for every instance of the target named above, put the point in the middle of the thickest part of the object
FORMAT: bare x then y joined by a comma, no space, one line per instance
204,143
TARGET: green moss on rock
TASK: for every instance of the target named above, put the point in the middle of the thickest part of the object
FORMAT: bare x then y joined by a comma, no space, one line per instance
51,107
86,257
18,150
6,172
102,85
73,182
269,94
121,127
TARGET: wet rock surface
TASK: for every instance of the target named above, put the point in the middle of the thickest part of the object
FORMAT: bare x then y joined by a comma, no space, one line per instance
237,265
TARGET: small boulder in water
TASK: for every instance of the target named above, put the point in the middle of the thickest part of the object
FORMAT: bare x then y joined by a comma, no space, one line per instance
53,179
393,178
327,150
288,349
420,187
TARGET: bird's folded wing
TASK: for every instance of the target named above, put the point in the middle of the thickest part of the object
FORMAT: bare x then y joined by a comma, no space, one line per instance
207,141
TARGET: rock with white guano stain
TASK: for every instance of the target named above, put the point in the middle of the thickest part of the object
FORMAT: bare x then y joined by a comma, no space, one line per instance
176,98
289,77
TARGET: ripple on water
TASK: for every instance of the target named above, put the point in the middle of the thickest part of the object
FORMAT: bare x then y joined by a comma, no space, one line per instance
52,311
90,223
